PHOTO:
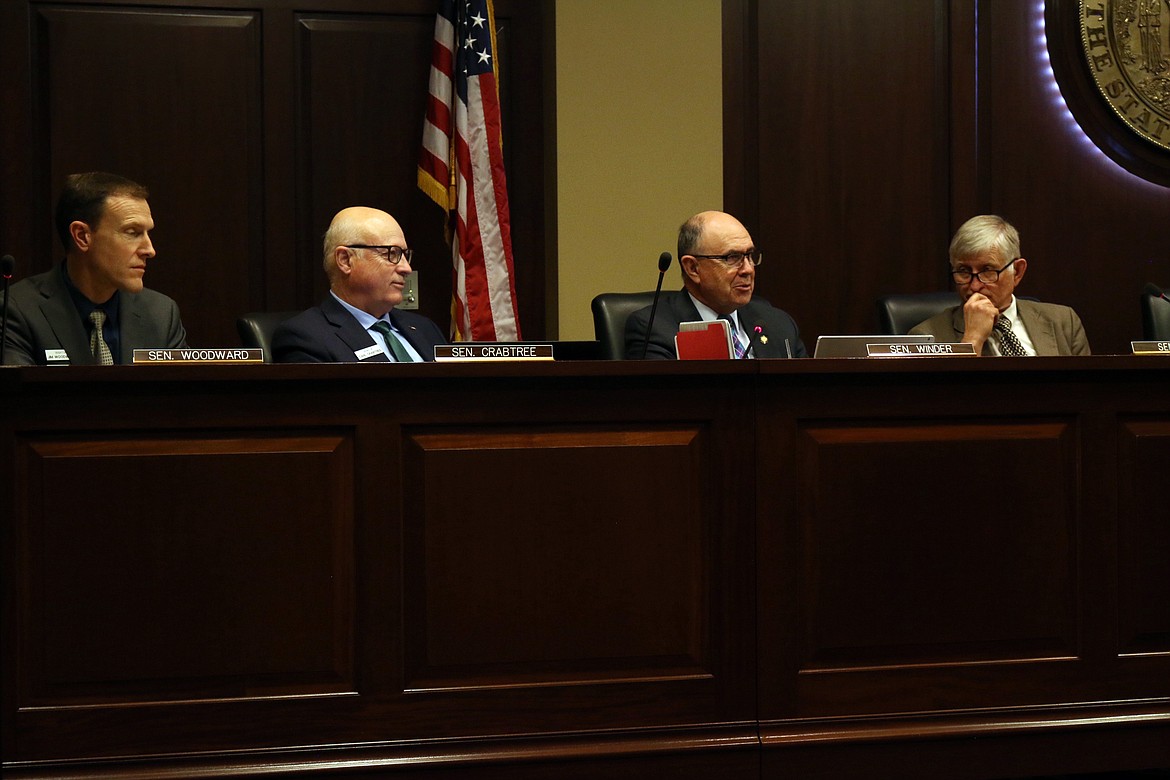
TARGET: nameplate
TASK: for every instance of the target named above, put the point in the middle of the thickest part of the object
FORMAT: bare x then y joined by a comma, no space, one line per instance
1150,347
250,355
920,350
447,353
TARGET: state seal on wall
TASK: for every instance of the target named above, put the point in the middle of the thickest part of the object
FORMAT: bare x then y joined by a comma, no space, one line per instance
1127,47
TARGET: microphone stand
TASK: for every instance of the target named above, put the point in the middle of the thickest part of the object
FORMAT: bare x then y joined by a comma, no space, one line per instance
7,263
663,264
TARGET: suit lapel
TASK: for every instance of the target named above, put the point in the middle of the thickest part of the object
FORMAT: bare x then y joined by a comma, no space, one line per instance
350,331
133,326
411,334
63,318
750,317
1040,328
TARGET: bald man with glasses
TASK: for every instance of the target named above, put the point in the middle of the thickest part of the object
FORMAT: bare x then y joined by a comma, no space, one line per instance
367,261
718,261
987,267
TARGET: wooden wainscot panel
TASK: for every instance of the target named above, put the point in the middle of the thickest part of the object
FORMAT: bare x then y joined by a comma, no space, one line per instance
1144,537
934,544
163,567
544,556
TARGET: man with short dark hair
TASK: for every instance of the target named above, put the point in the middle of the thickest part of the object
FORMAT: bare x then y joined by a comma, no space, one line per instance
718,260
92,309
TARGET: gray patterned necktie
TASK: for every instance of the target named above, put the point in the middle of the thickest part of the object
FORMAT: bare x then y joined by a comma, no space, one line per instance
392,341
97,341
1009,344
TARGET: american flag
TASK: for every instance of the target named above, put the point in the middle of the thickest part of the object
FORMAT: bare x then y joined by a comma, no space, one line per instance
461,167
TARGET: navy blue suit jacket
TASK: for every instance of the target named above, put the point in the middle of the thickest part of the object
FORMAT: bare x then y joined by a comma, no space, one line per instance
330,334
676,307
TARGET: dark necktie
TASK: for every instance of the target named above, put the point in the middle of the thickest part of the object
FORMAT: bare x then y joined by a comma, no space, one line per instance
97,341
400,353
1009,344
740,351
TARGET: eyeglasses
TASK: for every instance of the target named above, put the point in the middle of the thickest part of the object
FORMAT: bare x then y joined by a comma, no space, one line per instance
391,254
735,259
987,275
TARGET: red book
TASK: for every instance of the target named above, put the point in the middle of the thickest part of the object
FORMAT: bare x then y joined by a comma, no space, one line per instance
704,341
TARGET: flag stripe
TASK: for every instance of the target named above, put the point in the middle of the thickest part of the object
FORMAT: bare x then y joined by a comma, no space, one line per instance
461,167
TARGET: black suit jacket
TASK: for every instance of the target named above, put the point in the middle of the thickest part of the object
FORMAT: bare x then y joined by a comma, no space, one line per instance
42,316
330,334
677,307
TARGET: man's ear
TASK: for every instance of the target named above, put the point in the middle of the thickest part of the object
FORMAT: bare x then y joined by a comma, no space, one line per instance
343,259
1021,268
690,267
81,234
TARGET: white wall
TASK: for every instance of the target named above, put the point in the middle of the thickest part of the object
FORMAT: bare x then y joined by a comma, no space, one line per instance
639,141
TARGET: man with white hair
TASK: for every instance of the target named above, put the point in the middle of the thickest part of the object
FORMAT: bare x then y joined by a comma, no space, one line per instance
987,267
367,262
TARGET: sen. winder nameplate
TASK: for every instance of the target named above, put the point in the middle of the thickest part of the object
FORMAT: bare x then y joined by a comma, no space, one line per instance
446,353
158,356
1150,347
920,350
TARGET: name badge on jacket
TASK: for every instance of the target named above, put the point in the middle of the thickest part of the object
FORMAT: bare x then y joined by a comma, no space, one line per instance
368,352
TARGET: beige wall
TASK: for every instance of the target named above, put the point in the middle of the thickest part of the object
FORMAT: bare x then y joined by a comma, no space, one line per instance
639,141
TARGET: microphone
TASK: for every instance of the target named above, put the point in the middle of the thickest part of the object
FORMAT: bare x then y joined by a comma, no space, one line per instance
756,334
1152,290
663,264
7,265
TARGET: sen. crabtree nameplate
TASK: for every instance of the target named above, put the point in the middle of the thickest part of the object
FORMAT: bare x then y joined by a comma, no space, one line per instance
446,353
157,356
920,350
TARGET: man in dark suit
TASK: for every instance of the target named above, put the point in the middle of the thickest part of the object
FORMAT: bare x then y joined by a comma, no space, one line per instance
92,309
987,267
718,260
367,262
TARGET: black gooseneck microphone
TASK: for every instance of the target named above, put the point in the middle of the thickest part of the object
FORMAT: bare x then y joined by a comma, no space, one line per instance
1156,291
663,264
7,266
756,334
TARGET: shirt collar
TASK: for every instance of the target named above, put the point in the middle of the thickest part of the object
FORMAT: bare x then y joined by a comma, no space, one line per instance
364,318
84,305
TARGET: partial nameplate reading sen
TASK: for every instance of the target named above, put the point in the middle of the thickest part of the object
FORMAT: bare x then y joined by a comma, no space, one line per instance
1150,347
248,355
448,353
920,350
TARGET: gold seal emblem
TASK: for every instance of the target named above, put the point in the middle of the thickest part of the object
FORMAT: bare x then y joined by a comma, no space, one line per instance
1127,45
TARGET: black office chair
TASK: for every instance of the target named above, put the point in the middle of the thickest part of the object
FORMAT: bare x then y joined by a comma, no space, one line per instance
1155,318
897,314
610,311
256,328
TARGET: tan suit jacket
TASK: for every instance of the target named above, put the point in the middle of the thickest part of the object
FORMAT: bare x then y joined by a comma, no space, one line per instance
1054,329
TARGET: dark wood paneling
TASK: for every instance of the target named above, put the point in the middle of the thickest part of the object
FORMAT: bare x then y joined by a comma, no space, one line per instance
576,568
1094,233
859,136
128,595
135,91
938,545
498,594
851,178
1144,538
360,107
